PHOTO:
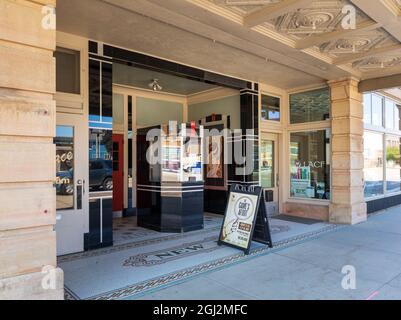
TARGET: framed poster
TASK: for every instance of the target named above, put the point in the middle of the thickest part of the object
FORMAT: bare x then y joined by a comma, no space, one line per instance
214,167
241,215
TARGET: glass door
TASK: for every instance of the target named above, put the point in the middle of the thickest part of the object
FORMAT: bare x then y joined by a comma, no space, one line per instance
71,183
269,172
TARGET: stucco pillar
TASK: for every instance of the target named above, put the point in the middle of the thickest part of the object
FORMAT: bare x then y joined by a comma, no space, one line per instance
348,205
27,153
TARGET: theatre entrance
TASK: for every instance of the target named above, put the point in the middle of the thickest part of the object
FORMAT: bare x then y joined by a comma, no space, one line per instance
126,183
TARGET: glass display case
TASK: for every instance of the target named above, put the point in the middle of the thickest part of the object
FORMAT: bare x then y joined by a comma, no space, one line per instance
176,156
170,177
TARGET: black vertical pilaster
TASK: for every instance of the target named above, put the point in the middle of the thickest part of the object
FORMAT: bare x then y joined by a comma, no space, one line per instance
249,137
100,111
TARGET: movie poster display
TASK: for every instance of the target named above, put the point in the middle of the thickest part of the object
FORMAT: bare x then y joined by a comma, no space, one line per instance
214,167
245,211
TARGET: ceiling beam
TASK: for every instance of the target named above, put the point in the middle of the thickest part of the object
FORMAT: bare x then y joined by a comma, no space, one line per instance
318,39
273,11
380,83
368,54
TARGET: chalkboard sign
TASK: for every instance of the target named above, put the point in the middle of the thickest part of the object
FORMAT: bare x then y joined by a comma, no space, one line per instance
245,219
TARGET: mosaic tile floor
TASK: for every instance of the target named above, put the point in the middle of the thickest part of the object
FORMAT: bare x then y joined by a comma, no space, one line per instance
125,230
142,260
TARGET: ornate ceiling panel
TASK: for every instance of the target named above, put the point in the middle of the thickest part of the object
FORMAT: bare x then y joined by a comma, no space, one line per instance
387,61
362,42
324,17
320,17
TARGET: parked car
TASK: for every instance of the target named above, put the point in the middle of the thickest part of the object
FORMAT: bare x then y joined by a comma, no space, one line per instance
101,174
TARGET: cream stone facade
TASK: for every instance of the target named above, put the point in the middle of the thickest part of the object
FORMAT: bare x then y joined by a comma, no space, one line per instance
348,204
258,44
27,128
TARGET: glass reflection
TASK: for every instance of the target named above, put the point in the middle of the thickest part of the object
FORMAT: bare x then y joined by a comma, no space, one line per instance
270,108
267,162
310,106
100,160
393,164
64,142
373,168
310,165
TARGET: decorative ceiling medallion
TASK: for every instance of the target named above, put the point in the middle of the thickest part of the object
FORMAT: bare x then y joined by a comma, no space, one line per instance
378,63
309,21
353,44
313,20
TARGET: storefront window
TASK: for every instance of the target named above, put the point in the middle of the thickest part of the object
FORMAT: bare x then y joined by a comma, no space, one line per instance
310,106
310,164
377,110
267,164
393,164
68,76
270,108
397,117
367,108
64,142
390,117
373,168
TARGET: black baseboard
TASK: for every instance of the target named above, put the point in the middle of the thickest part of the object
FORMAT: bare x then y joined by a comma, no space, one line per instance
131,212
383,203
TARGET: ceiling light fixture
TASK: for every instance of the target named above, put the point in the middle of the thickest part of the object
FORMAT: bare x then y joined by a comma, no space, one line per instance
155,86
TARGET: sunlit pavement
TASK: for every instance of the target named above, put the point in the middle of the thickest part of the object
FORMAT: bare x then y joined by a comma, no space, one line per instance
317,269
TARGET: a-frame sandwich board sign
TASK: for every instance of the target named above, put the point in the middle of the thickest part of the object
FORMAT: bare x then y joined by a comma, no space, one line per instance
245,219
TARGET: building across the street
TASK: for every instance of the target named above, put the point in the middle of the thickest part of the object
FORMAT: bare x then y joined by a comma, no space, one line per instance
310,91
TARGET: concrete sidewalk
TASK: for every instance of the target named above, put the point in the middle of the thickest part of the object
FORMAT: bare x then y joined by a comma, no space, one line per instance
311,270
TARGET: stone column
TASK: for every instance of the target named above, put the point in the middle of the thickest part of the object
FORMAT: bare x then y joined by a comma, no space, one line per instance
348,205
27,153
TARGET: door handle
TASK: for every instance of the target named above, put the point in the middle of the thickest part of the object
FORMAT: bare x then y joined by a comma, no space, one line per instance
79,194
277,180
